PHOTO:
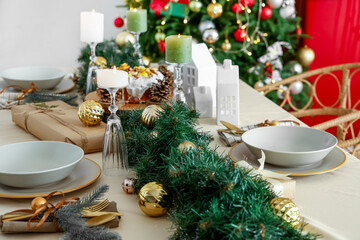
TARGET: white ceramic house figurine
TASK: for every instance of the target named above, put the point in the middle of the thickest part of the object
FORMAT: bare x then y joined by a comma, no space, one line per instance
228,93
200,72
203,101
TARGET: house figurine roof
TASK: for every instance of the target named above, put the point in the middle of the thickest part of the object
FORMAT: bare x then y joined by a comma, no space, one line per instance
201,56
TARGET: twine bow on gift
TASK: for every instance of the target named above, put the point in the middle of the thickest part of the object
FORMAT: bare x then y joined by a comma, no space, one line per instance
48,207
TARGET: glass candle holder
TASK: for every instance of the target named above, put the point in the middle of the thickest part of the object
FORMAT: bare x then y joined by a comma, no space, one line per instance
137,47
91,83
114,155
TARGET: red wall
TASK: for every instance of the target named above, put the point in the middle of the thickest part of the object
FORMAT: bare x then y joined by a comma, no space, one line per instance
335,28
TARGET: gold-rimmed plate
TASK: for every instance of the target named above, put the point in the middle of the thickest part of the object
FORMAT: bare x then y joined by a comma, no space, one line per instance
85,173
334,160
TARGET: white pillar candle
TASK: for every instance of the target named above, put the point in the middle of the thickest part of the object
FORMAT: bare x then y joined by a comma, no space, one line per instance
111,78
92,27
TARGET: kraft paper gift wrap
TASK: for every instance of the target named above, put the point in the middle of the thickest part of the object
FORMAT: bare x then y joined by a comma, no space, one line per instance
58,122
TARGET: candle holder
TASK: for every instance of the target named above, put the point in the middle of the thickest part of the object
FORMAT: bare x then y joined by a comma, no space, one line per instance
178,94
137,47
114,155
91,83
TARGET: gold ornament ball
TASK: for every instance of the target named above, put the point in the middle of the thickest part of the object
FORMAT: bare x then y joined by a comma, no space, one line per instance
123,38
91,113
226,45
152,199
150,114
38,202
214,9
101,62
186,146
146,61
286,209
305,56
195,6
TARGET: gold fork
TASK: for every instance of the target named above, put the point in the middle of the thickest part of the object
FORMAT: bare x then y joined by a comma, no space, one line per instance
97,207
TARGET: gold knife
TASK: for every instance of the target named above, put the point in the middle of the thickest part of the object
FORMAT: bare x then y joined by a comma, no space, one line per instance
232,127
96,221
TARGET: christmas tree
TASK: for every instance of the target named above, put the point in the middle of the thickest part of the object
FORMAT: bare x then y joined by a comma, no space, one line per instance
261,37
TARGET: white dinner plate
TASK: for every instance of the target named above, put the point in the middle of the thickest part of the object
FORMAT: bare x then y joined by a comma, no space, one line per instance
64,86
85,173
334,160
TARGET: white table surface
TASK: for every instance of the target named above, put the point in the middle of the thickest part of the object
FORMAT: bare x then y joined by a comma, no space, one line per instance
330,202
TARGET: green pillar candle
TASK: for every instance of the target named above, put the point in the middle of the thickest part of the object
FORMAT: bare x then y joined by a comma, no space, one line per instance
136,20
178,49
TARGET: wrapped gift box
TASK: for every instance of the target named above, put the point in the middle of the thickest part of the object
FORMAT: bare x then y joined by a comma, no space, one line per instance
58,121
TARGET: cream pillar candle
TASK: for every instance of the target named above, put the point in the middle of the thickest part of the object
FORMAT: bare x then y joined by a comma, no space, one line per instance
92,27
112,78
178,49
136,20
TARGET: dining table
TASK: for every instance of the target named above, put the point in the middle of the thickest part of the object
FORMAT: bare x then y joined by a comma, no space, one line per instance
329,202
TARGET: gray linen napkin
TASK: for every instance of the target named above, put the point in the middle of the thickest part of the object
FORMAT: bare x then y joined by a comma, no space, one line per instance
230,139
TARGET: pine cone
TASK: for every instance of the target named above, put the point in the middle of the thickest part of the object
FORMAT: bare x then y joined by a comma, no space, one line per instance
162,91
105,95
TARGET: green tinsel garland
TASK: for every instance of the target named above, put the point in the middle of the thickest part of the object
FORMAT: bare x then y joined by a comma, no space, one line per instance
114,55
211,198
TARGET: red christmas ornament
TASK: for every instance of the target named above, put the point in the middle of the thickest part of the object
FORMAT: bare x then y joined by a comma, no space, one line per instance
248,3
236,8
161,46
266,13
240,35
119,22
298,31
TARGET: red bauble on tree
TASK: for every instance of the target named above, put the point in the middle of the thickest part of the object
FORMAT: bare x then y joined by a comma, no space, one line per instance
298,31
236,8
118,22
248,3
240,35
161,46
266,13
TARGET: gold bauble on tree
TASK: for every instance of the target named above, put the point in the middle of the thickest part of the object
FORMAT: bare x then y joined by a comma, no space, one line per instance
91,113
186,146
286,209
153,200
101,62
150,114
226,45
123,38
146,61
305,56
214,9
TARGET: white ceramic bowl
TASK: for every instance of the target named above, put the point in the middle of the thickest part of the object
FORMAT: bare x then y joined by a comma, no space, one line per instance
31,164
42,77
289,146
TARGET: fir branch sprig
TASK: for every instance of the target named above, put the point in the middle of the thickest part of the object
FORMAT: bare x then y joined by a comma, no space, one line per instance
70,220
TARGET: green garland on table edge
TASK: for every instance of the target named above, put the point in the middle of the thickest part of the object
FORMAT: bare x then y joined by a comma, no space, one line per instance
211,198
114,55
